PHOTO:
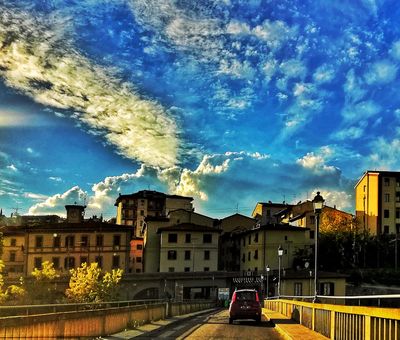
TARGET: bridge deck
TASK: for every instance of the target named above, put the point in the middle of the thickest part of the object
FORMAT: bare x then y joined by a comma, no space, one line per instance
289,328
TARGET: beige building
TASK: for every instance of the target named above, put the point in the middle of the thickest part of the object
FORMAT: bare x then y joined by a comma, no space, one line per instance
259,246
134,208
188,247
377,195
152,239
266,213
66,245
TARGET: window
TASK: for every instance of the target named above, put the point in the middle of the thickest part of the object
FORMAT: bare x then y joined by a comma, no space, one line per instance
141,212
256,238
138,259
69,263
171,269
56,241
387,198
312,234
116,241
206,269
386,213
188,238
386,229
327,288
83,259
364,187
39,242
12,256
244,241
286,237
13,242
312,219
249,239
56,262
243,258
397,212
248,256
187,269
115,261
139,246
84,241
256,254
138,270
187,254
397,196
386,181
99,260
397,182
298,289
206,254
171,254
397,228
99,240
70,241
207,238
172,238
268,213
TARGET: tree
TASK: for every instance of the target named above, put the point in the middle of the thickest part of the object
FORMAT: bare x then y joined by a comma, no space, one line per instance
12,293
88,284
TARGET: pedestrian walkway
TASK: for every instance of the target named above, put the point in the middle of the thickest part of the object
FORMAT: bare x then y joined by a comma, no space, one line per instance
289,329
154,325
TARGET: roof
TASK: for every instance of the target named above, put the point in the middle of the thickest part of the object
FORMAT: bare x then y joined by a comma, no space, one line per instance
150,194
237,214
378,172
188,227
276,227
87,226
156,218
295,218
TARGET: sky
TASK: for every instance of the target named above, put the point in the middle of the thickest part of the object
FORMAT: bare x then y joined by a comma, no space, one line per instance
231,102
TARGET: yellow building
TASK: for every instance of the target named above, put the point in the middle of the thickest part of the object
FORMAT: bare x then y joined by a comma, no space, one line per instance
134,208
188,247
377,196
259,246
66,245
265,213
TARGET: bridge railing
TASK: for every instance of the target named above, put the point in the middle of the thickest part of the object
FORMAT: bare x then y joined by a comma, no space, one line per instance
341,321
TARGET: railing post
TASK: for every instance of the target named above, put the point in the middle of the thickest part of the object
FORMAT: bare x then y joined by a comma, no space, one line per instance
313,318
367,330
333,324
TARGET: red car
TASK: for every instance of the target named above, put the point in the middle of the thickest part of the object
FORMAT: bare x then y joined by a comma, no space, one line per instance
245,304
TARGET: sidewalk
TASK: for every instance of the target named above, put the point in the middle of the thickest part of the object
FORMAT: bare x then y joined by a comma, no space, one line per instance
289,329
149,327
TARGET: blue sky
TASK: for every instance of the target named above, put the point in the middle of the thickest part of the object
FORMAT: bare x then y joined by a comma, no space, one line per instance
231,102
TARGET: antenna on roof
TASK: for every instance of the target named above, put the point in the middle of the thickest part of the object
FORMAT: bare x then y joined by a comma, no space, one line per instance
237,208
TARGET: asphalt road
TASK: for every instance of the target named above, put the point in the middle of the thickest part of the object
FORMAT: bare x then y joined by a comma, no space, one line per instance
214,326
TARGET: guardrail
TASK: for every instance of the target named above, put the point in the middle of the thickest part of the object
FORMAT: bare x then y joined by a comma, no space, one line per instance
342,322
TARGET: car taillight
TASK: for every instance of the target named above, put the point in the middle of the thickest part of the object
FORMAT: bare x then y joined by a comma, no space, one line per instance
234,297
257,298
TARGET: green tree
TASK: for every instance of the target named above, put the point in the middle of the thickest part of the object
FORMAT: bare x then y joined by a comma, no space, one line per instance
11,293
88,284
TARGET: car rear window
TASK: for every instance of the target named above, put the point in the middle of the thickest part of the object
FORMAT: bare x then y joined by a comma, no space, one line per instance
246,296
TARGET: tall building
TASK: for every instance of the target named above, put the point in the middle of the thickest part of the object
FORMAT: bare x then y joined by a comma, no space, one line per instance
132,209
377,195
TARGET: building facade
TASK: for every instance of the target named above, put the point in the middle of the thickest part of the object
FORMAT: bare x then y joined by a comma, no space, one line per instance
134,208
377,195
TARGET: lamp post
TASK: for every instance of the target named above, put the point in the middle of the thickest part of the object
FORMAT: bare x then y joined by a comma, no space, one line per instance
280,253
318,203
267,269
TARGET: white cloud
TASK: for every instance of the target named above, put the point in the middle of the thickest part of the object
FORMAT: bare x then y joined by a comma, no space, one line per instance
353,132
360,111
324,74
384,155
34,196
43,65
55,179
293,68
381,72
12,167
316,163
395,50
236,69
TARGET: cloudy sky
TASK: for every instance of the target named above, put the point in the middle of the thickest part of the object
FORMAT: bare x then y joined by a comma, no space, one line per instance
228,101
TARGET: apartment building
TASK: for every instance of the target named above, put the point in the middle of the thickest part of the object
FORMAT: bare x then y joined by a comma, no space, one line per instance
266,213
132,209
259,246
377,195
188,247
67,245
136,255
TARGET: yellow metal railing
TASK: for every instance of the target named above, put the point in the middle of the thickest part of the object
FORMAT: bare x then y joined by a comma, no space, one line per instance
342,322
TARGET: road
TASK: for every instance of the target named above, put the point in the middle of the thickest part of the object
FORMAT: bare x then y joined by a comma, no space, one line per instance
214,326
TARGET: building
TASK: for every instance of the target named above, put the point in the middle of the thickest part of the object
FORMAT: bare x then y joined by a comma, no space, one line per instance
67,245
229,246
377,195
134,208
152,239
188,247
265,213
259,246
136,255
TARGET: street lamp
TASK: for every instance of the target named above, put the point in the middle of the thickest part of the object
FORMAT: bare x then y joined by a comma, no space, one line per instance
280,253
318,203
267,269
